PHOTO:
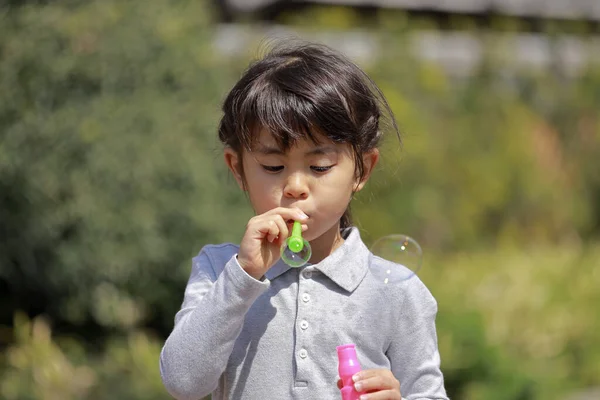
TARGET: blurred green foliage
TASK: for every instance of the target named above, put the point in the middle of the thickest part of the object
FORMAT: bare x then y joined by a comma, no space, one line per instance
111,179
35,367
106,158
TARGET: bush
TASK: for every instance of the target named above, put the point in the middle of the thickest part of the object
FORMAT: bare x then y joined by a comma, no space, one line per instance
36,367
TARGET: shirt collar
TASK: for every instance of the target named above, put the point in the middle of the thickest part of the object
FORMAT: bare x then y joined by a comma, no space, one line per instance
346,266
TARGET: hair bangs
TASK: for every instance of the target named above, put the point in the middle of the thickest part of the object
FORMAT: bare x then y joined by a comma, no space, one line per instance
285,115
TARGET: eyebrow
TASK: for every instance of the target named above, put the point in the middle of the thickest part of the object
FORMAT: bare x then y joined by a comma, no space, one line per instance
268,150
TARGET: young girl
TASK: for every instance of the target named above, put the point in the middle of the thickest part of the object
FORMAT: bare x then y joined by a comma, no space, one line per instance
300,129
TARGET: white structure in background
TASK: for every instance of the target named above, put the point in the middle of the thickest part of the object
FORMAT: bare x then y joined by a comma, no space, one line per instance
457,52
564,9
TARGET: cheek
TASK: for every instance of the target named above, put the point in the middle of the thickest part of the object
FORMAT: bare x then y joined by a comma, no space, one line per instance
263,194
341,181
335,193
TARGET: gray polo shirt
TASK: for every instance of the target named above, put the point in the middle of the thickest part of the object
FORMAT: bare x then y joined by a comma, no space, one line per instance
240,338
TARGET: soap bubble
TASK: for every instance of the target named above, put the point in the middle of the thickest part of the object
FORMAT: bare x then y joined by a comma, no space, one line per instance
399,249
295,258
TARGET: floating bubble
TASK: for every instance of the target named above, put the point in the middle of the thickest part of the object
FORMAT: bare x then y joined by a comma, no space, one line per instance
296,251
402,250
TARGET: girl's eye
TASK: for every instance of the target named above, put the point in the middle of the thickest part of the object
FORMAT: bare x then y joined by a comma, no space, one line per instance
272,168
321,169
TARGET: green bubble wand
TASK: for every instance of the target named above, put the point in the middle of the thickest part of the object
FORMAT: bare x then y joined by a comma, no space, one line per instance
296,250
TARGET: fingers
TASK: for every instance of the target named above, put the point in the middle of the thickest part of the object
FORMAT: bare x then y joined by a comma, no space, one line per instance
277,229
267,227
274,225
281,219
289,214
379,384
382,395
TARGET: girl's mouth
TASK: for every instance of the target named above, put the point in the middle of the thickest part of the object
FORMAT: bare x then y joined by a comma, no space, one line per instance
291,221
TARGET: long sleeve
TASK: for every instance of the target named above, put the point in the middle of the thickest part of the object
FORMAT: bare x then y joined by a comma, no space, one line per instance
414,354
217,298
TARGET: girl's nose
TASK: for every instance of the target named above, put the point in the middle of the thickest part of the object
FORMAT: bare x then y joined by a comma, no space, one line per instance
296,187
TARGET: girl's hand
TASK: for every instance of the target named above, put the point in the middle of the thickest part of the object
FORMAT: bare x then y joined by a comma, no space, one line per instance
265,233
379,384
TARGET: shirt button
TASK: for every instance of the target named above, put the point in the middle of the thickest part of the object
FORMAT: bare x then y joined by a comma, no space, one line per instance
303,353
306,297
304,325
307,274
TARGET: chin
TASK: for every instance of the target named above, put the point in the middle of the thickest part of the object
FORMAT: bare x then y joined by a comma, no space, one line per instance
312,234
316,232
309,237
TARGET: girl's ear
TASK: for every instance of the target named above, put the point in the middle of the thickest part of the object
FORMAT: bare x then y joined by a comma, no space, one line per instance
234,163
370,160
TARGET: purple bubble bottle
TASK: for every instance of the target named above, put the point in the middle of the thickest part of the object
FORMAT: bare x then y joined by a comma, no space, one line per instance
348,365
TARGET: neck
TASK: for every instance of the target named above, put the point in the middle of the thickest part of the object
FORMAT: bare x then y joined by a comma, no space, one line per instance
326,244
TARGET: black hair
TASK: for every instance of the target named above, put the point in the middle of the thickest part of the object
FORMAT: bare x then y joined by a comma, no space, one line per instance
302,90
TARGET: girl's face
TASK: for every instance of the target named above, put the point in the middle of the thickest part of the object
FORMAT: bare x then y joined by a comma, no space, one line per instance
317,178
